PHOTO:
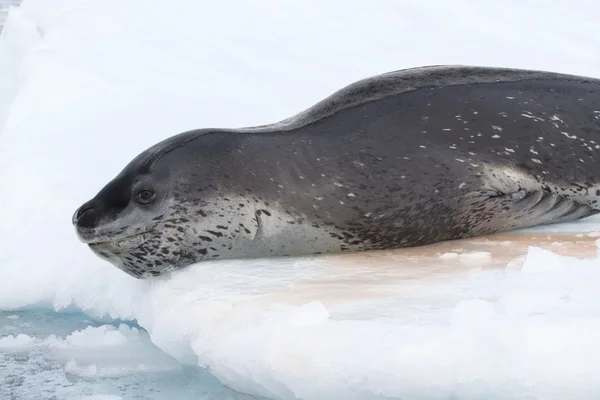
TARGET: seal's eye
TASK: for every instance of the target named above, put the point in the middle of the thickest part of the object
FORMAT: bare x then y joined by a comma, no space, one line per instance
145,196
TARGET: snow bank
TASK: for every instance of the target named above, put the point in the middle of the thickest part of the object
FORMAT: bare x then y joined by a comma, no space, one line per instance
87,85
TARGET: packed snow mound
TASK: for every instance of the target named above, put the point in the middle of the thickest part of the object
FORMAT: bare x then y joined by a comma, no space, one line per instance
86,86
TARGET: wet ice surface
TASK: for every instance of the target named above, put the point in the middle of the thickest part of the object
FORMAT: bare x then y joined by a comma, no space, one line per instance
47,355
85,86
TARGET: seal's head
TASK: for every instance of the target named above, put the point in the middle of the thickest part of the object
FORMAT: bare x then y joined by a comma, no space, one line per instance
168,208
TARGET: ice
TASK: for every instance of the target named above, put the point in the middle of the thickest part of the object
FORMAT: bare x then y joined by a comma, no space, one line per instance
85,86
108,352
449,256
15,343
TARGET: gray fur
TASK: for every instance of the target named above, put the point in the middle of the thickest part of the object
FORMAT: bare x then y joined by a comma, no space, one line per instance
406,158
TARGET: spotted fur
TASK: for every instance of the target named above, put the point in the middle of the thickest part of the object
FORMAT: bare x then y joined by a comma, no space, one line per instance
407,158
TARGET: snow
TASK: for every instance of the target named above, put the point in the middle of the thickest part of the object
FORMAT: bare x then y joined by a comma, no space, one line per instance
85,86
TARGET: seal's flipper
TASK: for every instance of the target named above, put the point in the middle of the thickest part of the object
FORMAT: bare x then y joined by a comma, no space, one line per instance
522,209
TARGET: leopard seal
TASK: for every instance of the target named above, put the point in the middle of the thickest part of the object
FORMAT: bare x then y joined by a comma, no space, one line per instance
405,158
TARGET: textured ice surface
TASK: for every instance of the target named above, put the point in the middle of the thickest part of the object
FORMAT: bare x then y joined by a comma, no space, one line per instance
85,86
64,356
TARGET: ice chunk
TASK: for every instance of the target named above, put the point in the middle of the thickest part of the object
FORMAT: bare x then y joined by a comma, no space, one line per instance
449,256
107,351
16,343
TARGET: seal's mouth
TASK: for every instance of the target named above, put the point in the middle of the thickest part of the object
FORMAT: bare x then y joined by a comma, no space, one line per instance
122,243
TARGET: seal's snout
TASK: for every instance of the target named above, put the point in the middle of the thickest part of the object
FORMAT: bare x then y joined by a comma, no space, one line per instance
81,211
86,217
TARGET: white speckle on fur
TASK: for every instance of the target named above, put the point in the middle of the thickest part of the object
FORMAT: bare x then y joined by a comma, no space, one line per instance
535,160
509,150
510,97
556,118
496,128
496,137
423,147
462,185
532,150
351,195
447,129
528,114
459,160
453,147
569,136
338,184
471,153
318,198
367,215
341,202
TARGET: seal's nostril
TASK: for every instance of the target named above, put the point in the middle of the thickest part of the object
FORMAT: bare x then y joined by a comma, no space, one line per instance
82,210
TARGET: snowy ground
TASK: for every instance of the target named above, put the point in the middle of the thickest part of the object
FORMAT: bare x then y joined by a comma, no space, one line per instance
85,86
